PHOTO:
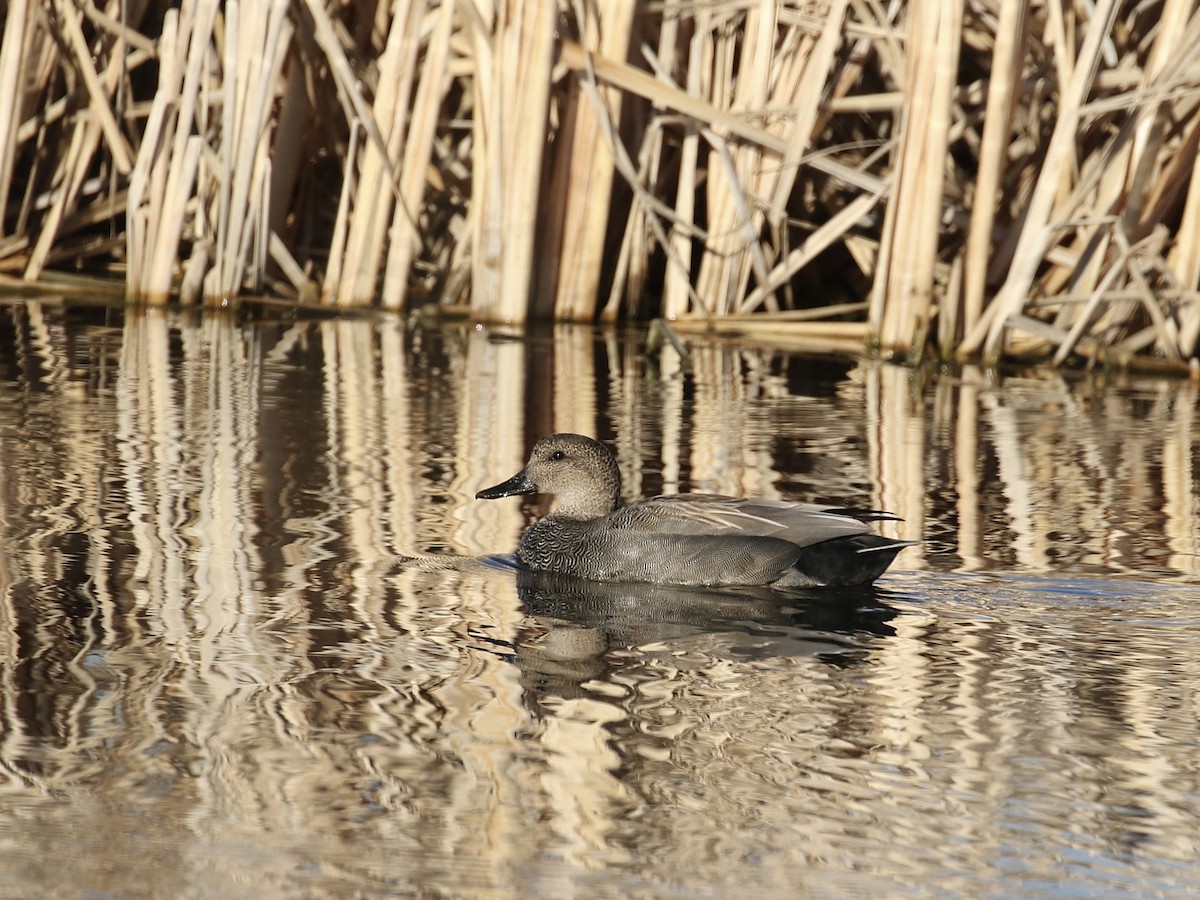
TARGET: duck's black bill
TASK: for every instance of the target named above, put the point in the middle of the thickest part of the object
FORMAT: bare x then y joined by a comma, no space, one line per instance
518,484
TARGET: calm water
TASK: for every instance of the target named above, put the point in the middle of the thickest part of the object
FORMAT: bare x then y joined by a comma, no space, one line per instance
216,680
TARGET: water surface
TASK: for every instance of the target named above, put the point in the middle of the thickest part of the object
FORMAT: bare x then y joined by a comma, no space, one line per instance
216,679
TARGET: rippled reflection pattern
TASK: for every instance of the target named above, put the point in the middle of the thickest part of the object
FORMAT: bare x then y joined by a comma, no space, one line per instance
258,638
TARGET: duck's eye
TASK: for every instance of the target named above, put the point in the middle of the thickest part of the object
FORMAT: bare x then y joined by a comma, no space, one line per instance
558,455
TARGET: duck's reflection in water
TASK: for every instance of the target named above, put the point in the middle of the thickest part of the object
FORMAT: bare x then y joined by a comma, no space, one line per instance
574,626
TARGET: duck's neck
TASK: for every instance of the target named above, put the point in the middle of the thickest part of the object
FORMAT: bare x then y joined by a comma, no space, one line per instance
592,505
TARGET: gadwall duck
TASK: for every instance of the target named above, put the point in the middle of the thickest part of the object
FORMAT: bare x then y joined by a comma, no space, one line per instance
685,539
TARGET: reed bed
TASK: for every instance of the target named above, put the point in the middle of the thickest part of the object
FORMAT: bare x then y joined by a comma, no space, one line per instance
988,179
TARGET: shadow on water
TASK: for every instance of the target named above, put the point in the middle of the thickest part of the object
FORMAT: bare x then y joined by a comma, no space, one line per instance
582,621
573,625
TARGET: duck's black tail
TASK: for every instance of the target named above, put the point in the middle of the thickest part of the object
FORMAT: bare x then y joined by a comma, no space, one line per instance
845,561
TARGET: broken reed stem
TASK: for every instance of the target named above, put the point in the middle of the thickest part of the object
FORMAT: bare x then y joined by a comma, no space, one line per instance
748,158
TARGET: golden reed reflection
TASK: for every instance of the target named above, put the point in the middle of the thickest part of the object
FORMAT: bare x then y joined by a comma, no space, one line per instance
245,593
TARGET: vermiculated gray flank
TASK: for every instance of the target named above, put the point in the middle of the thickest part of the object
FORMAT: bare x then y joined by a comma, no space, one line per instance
685,539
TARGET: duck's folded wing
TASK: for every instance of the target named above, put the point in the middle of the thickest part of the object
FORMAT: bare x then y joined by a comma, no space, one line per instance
688,559
698,514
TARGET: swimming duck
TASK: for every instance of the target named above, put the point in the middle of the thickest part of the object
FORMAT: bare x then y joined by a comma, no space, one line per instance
685,539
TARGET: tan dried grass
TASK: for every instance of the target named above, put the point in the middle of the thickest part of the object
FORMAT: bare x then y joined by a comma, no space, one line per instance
961,166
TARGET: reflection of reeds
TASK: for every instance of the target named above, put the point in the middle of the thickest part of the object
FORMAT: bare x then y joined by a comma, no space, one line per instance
1019,485
197,622
574,159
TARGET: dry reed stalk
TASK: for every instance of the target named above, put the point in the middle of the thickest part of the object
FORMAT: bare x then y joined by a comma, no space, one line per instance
576,204
256,43
1096,303
1037,230
705,113
903,293
85,139
1164,330
16,38
169,224
817,242
140,220
790,315
418,151
758,173
733,251
512,99
360,117
733,218
1178,163
337,240
732,229
766,329
1135,173
1105,183
99,96
677,286
633,259
1164,63
1012,37
1185,261
635,81
815,72
372,208
165,170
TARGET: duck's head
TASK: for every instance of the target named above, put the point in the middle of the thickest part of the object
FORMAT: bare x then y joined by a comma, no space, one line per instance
578,470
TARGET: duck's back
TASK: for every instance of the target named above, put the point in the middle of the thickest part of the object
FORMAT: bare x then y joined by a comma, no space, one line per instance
802,524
